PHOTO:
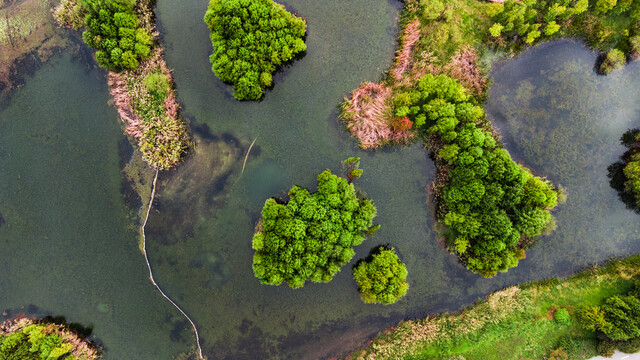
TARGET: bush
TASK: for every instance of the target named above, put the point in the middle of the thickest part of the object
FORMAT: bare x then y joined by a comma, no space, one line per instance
562,317
251,38
630,346
615,59
606,348
382,277
312,236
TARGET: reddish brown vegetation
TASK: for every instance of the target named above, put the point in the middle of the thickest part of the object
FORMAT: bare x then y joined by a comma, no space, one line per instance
368,114
402,123
404,56
464,68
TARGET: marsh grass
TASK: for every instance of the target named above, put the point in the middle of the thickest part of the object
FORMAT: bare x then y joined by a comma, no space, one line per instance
514,323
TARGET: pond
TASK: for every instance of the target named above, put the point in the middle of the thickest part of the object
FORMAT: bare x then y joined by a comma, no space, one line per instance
69,241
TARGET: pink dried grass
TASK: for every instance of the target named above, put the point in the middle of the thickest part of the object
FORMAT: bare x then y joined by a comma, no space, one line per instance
368,114
404,56
464,68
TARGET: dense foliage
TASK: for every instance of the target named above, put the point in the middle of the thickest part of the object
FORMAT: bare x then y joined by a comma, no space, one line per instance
112,28
381,277
610,25
251,38
616,321
488,202
311,236
631,168
24,339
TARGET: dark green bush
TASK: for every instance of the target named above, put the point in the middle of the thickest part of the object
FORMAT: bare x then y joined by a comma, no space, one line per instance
251,38
630,346
382,277
618,318
615,59
312,235
606,348
562,317
112,28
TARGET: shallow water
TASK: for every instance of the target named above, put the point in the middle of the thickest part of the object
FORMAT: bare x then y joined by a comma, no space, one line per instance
69,243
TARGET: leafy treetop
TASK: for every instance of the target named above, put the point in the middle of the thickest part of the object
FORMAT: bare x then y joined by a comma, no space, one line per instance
488,202
311,236
251,38
382,277
112,28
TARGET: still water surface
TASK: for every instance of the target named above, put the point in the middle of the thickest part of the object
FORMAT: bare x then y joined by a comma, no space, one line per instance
69,244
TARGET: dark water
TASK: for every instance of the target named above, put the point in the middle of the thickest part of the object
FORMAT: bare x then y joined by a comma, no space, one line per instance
68,244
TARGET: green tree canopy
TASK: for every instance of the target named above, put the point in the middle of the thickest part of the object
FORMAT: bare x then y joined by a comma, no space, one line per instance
489,203
251,38
113,29
381,277
311,236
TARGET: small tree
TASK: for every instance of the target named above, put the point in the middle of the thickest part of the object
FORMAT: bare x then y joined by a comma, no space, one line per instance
381,277
351,165
615,59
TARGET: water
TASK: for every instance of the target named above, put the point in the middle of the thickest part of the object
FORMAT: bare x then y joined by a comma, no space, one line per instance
69,241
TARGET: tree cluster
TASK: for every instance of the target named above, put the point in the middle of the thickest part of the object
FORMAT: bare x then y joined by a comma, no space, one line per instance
631,169
251,38
488,202
616,321
381,277
311,236
112,28
530,20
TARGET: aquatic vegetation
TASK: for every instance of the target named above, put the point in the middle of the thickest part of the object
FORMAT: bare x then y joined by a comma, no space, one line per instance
28,38
123,32
381,277
312,235
250,40
24,338
517,322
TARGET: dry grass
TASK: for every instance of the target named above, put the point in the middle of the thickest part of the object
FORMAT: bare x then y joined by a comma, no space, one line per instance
464,68
368,115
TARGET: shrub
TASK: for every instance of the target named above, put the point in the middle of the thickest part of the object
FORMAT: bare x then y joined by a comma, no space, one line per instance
382,277
606,348
562,317
558,354
311,236
630,346
615,59
251,38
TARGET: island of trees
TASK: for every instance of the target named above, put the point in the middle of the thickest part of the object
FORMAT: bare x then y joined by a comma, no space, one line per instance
251,39
23,338
124,36
312,235
381,277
